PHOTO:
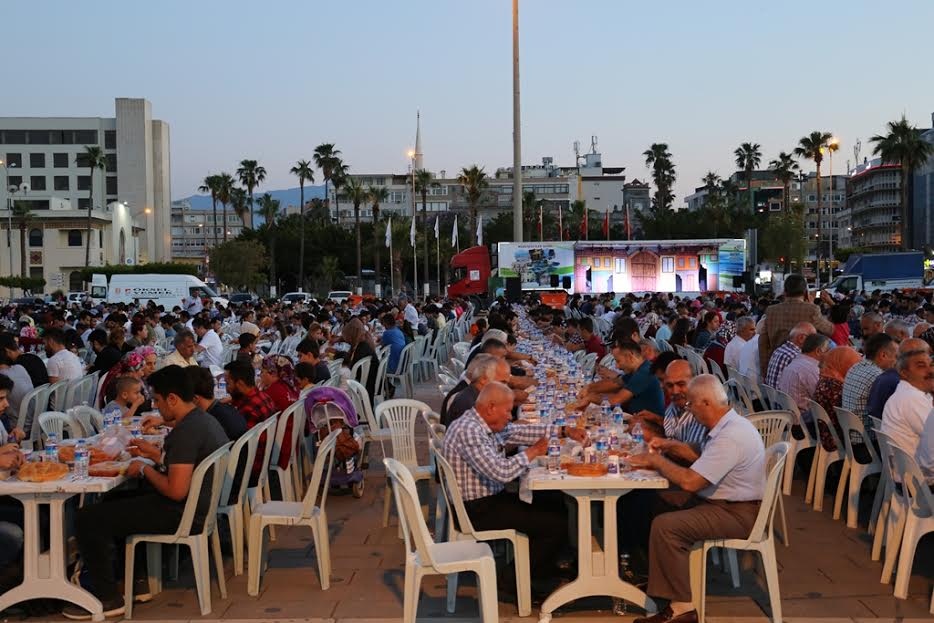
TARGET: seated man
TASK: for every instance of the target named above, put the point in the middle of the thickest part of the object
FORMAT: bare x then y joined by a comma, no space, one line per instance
483,370
886,383
474,445
63,365
309,351
799,378
787,352
925,454
635,390
906,412
719,497
233,423
684,435
156,507
184,353
592,341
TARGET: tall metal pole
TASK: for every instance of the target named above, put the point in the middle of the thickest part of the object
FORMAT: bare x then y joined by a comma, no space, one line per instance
830,237
516,136
412,242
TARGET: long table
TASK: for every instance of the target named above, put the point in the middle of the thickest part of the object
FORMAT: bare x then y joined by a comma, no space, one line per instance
44,575
597,567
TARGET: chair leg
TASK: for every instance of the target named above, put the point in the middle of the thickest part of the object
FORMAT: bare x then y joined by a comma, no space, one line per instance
486,580
523,576
387,500
786,538
879,529
812,475
219,563
154,564
841,488
319,531
698,571
877,500
789,474
410,595
129,560
895,528
201,562
452,592
733,563
906,556
235,519
255,550
770,566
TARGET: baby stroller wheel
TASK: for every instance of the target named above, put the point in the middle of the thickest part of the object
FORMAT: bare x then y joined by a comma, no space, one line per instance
357,489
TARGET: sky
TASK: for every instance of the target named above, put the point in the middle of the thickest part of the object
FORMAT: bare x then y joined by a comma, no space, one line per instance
270,81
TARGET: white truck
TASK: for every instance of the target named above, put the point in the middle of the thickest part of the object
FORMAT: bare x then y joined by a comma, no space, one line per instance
166,290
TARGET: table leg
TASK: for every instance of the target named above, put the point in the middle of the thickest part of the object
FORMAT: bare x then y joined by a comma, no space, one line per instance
39,583
594,579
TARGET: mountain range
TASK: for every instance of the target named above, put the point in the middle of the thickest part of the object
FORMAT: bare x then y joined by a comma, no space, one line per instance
287,197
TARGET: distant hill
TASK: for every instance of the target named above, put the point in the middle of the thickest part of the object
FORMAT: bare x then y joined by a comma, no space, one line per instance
287,197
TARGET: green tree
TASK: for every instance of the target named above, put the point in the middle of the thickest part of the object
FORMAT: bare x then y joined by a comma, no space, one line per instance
658,158
212,185
225,192
339,180
303,171
269,211
326,157
377,195
424,181
781,240
23,218
358,195
748,156
811,147
93,158
475,182
785,167
902,144
251,175
241,206
239,263
329,271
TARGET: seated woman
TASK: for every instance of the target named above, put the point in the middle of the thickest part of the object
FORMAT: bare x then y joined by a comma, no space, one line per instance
829,391
277,380
361,347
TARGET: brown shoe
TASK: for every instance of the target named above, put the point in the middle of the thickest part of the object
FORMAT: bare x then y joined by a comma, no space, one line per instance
667,616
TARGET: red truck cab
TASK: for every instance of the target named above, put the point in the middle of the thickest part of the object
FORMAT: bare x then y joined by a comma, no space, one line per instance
470,272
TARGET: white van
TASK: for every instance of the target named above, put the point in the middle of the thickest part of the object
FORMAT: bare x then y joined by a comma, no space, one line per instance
165,290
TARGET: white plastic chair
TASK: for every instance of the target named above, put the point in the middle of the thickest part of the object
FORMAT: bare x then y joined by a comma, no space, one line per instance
461,350
425,557
286,477
259,493
371,429
90,419
761,539
379,387
238,473
518,540
360,371
31,405
403,375
784,402
854,472
398,416
917,522
823,458
58,422
773,427
197,542
894,517
58,392
304,513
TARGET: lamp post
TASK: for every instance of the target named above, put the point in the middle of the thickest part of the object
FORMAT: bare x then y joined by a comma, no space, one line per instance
412,226
9,214
832,145
516,136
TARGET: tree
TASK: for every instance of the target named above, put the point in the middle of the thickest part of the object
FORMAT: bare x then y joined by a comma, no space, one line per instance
748,157
303,171
658,158
902,144
357,194
338,181
212,185
329,271
377,195
812,147
225,192
250,175
474,181
93,158
784,167
240,205
269,210
23,218
318,211
239,263
781,240
424,180
325,157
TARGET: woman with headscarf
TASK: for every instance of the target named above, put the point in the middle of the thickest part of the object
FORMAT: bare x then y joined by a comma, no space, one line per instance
138,364
829,391
277,379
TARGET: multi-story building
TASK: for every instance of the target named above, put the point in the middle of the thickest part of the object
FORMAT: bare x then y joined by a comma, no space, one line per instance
922,208
45,168
873,195
195,231
833,203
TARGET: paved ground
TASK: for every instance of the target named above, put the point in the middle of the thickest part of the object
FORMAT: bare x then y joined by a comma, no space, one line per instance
826,574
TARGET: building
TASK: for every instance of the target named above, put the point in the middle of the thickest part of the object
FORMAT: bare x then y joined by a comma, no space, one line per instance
44,167
833,203
873,195
194,231
922,206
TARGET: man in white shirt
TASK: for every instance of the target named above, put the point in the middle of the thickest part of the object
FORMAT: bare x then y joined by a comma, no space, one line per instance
63,365
749,359
209,343
193,304
925,453
745,330
907,410
184,353
409,312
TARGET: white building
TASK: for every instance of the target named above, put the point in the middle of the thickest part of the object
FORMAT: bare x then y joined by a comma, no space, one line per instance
42,159
194,231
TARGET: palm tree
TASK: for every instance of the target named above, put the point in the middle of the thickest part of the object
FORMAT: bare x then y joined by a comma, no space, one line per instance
225,188
474,181
329,269
93,158
785,167
902,144
424,180
376,195
23,218
240,204
658,158
211,185
269,210
325,157
357,194
338,180
812,147
303,171
748,157
528,213
250,175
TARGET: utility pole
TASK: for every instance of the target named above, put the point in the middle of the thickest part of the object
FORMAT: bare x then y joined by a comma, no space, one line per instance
516,136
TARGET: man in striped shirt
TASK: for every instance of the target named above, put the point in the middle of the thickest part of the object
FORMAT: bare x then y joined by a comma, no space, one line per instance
787,352
684,435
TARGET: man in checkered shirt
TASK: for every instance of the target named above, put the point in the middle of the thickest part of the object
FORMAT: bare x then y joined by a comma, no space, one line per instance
475,445
785,353
881,351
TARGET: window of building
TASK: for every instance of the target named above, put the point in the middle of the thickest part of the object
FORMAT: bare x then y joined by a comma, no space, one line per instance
692,262
110,139
86,137
15,180
606,262
37,182
14,160
75,238
35,237
60,160
60,182
620,265
585,261
35,204
111,184
111,163
83,203
36,273
37,161
668,264
38,137
84,182
681,263
100,238
812,197
14,137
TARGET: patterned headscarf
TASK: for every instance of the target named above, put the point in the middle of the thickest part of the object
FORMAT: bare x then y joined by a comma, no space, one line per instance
726,332
282,366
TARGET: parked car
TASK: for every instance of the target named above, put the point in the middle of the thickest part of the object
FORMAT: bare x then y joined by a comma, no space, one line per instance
339,296
296,297
239,298
76,297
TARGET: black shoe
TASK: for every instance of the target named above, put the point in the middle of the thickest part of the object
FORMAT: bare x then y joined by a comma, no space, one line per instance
112,608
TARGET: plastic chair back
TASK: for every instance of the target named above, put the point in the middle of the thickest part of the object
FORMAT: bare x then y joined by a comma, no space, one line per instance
380,384
268,430
291,414
773,426
451,490
360,371
915,490
361,404
821,421
775,457
33,403
57,394
58,423
324,460
414,529
854,430
250,441
216,463
399,417
90,419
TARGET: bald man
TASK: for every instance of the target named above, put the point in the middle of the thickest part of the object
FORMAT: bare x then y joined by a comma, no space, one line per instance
787,352
717,497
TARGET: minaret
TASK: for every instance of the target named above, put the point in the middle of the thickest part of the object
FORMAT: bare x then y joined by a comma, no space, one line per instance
418,141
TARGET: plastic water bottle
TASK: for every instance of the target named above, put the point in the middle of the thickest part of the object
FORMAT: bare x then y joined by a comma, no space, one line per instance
112,418
602,445
559,418
613,437
619,605
618,416
637,436
554,455
82,460
606,409
51,448
221,390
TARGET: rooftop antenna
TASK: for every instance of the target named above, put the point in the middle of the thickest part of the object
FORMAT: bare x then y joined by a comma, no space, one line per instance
593,144
857,146
577,153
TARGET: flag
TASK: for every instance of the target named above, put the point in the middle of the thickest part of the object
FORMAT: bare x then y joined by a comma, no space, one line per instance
412,232
389,232
480,230
628,226
438,226
560,225
606,224
454,233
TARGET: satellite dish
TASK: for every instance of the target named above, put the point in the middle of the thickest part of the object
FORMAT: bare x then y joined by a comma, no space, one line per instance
130,261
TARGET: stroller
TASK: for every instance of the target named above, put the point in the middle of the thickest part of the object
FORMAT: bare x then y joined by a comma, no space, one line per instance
329,408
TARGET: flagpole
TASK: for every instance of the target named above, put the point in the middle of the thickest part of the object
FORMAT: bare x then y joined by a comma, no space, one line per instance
438,250
412,240
392,284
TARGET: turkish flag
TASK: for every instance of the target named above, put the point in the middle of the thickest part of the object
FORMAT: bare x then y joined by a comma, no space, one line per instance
606,225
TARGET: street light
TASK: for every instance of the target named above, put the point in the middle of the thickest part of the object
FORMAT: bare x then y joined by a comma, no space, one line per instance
832,145
411,155
517,234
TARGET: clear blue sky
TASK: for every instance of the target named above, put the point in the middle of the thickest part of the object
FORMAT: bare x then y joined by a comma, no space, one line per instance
271,80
